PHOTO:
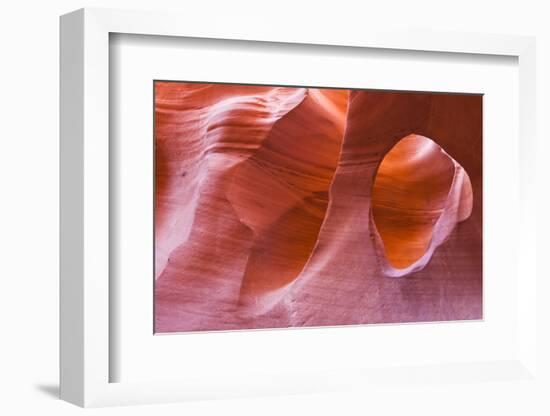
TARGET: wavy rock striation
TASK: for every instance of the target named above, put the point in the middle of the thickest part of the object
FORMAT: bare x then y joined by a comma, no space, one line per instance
280,207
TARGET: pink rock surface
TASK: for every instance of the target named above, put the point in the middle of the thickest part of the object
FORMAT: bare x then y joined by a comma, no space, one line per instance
280,207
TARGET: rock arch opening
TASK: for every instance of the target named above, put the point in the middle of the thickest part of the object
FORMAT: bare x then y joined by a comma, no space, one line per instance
409,195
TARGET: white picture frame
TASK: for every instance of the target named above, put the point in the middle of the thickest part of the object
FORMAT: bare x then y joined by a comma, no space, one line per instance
85,355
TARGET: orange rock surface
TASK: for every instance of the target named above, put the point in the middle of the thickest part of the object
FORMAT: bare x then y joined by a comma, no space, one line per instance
279,207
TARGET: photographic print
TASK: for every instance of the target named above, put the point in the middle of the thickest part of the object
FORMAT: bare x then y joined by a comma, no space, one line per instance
290,207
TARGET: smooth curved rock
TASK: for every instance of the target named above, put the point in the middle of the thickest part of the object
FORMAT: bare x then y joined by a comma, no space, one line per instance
274,207
420,194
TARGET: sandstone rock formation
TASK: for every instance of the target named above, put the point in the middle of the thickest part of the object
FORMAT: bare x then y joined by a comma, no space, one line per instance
281,207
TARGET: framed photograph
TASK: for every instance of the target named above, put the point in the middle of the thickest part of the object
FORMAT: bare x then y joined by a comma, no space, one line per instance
299,207
265,212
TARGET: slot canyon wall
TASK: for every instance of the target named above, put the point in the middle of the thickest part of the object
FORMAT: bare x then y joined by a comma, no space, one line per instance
290,207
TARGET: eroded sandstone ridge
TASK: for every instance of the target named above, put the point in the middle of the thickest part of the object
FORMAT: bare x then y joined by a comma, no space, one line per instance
280,207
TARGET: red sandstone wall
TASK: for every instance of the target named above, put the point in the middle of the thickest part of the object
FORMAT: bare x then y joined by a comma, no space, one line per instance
280,207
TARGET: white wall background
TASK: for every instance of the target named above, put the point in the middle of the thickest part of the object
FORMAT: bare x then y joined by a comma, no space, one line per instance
29,205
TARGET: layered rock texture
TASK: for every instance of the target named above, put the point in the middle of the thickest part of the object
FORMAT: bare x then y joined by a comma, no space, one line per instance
291,207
